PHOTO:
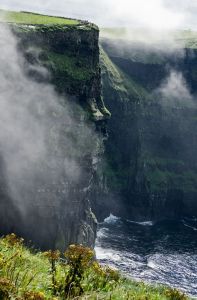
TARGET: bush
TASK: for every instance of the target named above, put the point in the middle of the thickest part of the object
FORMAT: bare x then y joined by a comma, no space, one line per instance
33,296
79,259
6,289
174,294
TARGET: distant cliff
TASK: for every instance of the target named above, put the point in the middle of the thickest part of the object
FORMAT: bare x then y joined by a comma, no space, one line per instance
151,169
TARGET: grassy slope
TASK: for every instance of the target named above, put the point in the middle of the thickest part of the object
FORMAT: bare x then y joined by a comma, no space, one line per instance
120,81
32,18
23,270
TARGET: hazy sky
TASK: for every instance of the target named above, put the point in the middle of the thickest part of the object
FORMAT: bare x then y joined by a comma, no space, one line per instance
157,14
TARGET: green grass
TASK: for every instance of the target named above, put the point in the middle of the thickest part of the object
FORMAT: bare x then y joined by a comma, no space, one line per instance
121,82
68,71
112,70
73,66
164,173
34,19
160,180
26,274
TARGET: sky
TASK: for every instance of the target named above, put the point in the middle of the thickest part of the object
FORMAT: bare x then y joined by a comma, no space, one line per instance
150,14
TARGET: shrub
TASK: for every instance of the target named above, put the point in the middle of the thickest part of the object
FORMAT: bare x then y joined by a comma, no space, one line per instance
79,259
174,294
33,296
6,288
104,278
53,257
13,240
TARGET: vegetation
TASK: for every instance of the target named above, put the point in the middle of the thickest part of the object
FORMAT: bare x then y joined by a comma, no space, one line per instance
34,19
165,173
75,68
26,274
121,82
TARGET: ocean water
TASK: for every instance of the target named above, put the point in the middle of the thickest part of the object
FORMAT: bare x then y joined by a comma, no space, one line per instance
164,252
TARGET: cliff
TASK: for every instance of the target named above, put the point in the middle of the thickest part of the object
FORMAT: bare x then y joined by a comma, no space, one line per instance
151,170
59,212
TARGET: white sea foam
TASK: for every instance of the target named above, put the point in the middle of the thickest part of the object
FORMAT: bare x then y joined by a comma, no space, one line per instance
111,219
107,254
151,264
189,226
101,233
145,223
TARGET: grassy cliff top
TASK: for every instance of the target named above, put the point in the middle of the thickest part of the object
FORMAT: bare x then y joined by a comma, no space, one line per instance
34,18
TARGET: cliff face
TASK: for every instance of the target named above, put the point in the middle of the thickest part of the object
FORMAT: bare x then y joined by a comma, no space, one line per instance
59,212
152,167
71,54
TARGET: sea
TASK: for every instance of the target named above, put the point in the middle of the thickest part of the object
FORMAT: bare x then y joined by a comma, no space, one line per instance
154,252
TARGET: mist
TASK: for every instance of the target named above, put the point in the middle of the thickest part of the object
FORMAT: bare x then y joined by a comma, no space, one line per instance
174,90
43,137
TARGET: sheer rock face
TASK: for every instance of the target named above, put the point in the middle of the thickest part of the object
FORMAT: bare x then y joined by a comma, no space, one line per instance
57,209
71,54
152,167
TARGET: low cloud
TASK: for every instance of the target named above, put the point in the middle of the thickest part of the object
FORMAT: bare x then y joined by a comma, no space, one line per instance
174,90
